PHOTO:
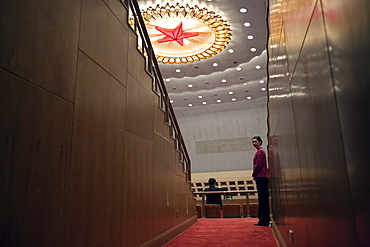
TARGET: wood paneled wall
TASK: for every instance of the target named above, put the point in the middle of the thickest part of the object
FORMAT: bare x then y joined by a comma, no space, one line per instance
319,121
86,157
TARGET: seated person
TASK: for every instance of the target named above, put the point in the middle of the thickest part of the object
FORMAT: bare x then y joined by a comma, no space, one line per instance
214,198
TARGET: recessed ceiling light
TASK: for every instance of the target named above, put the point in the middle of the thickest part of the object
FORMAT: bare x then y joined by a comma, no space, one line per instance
247,24
190,85
258,67
185,77
190,105
263,89
204,103
250,37
223,80
233,99
245,84
178,70
238,69
218,101
200,96
262,81
168,80
249,97
215,64
253,49
231,51
243,10
171,101
231,93
256,56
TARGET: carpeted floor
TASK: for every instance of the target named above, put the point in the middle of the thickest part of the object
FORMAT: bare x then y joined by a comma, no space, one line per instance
225,232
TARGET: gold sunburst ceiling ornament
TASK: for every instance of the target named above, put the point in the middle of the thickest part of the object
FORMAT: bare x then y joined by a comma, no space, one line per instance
183,34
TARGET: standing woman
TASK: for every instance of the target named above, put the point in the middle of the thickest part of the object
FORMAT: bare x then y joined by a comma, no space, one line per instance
260,175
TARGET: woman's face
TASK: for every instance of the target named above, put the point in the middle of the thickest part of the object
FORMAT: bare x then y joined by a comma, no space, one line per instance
256,143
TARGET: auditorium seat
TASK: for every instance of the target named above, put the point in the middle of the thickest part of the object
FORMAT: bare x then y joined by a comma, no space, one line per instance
253,209
213,211
199,211
231,210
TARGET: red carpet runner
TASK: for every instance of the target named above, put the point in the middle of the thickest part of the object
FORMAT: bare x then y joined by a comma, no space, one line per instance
225,232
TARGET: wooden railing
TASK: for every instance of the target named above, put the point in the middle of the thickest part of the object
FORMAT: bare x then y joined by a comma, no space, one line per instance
136,22
247,192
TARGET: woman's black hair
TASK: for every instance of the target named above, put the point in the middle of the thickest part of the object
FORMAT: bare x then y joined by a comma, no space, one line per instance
258,139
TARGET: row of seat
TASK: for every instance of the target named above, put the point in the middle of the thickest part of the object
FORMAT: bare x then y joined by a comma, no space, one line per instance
228,211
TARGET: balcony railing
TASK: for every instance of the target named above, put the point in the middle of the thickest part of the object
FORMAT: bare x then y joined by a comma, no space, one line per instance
136,22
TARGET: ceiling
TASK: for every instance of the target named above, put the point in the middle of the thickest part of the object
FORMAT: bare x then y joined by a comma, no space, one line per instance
208,82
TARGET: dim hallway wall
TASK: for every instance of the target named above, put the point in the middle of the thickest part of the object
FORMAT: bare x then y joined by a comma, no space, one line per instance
86,157
319,121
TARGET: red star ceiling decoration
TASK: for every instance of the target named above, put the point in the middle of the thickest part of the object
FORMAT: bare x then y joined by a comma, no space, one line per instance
177,34
199,33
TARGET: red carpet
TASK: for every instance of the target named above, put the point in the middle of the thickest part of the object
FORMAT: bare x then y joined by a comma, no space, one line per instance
226,232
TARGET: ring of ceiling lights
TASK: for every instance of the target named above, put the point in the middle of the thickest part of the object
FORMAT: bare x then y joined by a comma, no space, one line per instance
184,34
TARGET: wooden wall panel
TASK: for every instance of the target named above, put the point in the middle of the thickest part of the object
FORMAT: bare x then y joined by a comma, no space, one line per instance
138,191
320,113
348,39
140,109
97,172
178,167
119,11
35,135
85,159
180,212
39,42
104,38
160,125
162,174
137,64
